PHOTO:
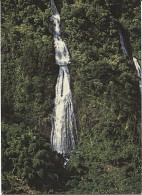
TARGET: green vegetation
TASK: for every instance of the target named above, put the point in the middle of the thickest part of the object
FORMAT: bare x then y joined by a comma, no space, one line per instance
105,93
29,157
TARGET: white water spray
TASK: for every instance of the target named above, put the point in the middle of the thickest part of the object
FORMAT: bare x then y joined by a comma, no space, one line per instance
64,122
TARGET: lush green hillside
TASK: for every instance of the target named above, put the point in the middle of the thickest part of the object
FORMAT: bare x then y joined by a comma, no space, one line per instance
105,91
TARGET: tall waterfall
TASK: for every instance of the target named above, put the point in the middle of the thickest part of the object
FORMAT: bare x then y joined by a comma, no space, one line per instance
64,122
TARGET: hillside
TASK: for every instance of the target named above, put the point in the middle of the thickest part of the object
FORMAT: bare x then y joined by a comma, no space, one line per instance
105,90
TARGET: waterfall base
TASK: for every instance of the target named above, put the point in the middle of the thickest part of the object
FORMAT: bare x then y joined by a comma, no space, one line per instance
64,123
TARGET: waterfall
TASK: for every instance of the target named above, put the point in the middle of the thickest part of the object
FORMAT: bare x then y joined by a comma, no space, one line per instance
122,43
64,122
138,68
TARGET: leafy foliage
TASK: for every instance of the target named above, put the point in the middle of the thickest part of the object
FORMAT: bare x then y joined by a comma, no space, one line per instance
28,156
28,61
106,96
105,93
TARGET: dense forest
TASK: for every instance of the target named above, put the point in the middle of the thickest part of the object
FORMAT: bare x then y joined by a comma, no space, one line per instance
105,89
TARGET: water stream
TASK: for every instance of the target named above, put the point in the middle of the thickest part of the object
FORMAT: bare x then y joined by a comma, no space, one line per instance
137,66
64,122
138,69
122,43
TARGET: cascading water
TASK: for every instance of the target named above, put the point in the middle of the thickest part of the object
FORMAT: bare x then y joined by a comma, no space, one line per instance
122,43
138,68
64,122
